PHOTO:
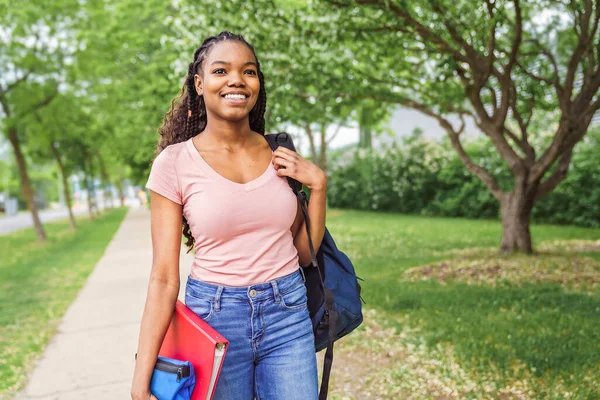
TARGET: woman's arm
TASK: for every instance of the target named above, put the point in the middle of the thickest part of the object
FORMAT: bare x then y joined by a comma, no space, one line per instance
163,289
312,176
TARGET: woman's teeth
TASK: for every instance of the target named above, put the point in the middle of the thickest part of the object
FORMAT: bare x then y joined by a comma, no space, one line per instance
235,96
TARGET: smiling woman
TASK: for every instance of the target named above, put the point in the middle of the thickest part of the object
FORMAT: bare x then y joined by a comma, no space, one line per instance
216,176
230,84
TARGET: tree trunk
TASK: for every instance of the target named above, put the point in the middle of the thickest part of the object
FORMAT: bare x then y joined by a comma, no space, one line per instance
311,142
120,191
366,137
67,192
86,183
515,209
323,150
92,200
105,183
27,190
89,197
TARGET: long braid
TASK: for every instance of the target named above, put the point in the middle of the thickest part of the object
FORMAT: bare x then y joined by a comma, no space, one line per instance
187,116
257,114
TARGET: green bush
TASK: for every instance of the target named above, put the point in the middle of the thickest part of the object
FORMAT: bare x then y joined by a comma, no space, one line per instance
418,176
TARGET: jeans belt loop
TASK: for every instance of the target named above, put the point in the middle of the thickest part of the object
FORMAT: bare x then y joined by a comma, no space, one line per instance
218,298
276,293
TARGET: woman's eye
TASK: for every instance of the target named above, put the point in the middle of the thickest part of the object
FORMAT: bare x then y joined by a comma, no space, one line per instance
220,71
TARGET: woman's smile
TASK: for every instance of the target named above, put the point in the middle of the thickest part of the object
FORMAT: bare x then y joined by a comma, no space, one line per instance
235,98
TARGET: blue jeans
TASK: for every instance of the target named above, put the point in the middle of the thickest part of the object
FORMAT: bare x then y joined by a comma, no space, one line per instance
271,352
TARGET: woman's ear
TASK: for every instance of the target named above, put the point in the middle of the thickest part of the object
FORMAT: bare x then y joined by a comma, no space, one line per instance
198,84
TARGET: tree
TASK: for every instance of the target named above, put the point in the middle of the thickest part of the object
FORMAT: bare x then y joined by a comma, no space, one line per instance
12,125
46,138
35,45
504,63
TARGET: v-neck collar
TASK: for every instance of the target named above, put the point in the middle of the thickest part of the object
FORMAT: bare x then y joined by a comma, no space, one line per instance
248,186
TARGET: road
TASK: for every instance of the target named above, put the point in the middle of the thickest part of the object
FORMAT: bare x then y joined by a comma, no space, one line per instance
23,219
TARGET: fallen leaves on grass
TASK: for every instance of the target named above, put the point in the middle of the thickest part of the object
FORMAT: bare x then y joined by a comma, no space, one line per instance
572,246
571,271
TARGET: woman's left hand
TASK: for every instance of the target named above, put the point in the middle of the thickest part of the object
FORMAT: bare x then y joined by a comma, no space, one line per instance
299,168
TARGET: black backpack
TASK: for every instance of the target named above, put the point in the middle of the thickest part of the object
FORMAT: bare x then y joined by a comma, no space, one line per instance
333,292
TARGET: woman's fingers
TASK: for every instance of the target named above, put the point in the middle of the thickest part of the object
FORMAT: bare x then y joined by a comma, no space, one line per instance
286,154
282,162
298,168
287,172
285,168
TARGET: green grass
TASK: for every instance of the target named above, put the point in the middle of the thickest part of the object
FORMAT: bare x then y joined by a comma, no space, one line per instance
551,330
38,283
545,334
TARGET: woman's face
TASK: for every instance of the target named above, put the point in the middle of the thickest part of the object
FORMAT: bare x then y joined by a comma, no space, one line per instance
229,81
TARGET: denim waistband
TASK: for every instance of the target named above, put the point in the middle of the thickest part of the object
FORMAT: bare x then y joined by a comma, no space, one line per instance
259,291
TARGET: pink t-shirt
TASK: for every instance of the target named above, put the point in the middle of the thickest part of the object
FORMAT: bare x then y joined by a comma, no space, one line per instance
242,231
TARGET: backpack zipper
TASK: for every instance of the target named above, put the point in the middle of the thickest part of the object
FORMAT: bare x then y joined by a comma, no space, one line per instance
182,371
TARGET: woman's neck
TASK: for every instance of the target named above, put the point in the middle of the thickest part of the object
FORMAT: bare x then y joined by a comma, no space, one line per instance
227,134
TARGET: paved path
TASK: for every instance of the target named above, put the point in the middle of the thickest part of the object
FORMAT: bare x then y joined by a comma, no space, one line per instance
91,356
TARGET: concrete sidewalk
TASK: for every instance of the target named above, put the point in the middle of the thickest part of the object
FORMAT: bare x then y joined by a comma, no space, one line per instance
92,354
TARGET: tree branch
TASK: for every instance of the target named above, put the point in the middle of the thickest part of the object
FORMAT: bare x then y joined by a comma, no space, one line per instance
505,78
536,77
580,49
569,133
589,73
419,28
587,93
595,106
517,40
492,41
454,135
5,107
544,51
385,28
557,177
493,127
337,130
3,92
311,141
451,27
43,103
514,138
523,125
494,97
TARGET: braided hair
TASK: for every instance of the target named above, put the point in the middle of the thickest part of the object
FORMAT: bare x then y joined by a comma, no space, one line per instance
187,115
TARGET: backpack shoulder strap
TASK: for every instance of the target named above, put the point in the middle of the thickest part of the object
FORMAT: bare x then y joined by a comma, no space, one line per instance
285,140
280,139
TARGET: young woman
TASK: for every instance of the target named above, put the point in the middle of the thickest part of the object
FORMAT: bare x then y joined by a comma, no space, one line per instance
216,176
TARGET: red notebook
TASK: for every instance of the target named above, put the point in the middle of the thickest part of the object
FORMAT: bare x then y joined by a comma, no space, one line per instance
191,339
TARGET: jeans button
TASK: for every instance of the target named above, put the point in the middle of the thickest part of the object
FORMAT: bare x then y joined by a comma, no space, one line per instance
252,293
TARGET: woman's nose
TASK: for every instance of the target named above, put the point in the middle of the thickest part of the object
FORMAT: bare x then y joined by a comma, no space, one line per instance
235,80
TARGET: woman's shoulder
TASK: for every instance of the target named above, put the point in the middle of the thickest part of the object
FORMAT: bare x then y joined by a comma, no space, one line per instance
176,149
174,153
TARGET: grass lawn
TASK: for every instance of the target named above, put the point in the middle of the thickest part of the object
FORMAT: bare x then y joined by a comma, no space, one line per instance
535,325
38,282
443,309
